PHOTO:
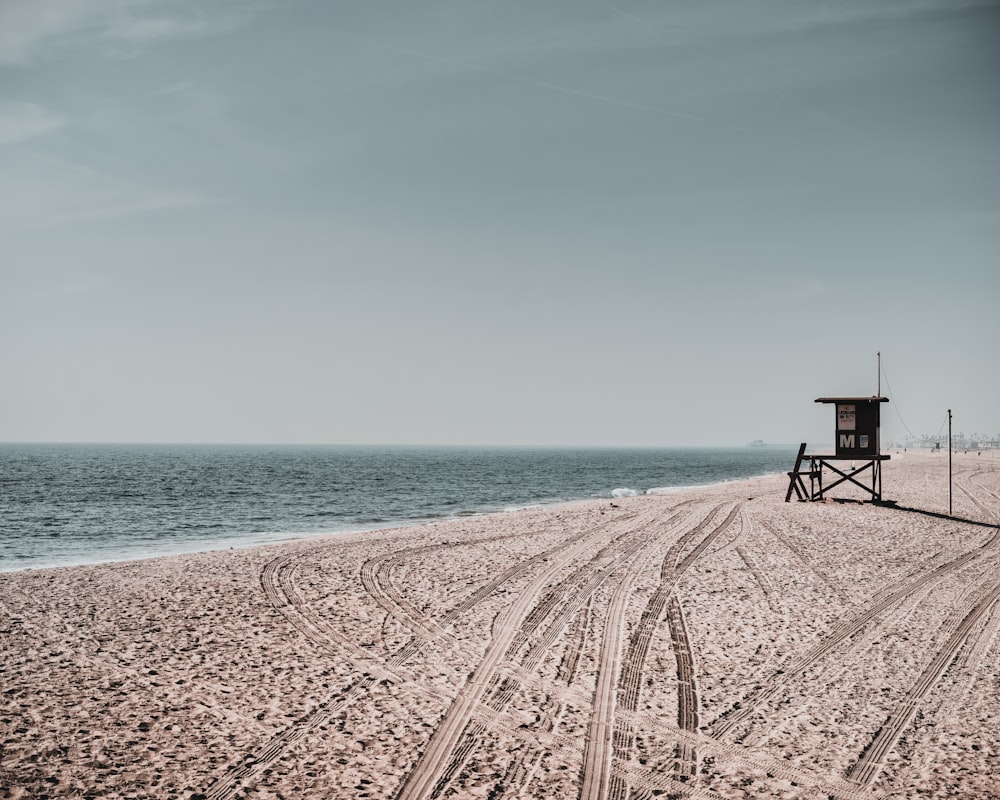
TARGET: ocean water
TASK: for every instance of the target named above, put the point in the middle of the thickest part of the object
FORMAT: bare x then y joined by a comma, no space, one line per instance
78,504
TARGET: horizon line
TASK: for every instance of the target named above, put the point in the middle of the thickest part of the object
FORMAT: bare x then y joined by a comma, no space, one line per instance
150,443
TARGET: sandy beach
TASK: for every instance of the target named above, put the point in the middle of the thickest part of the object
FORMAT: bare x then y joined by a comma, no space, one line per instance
710,643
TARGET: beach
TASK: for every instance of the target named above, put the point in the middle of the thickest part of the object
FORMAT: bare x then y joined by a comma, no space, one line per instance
714,642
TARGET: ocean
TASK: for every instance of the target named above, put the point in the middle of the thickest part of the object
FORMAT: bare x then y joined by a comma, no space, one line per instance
77,504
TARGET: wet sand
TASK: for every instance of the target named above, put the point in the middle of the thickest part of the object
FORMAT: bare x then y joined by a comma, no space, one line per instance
707,643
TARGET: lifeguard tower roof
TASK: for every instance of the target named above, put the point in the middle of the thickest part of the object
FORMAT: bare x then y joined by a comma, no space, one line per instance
872,399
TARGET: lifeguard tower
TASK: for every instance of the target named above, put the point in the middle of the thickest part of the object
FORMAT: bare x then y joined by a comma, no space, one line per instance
857,440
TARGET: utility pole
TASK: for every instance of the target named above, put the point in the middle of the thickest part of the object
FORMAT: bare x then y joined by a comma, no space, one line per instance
949,462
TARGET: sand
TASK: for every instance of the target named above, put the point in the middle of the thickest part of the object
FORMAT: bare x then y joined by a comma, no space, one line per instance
706,643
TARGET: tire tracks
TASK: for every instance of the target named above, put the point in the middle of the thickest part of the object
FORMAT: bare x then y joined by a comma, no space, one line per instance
612,739
458,733
901,590
868,766
277,583
377,580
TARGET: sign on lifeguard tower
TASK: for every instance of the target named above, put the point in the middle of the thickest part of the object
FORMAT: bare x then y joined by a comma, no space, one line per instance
856,439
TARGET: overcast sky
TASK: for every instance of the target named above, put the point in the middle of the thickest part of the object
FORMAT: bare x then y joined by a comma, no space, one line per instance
568,222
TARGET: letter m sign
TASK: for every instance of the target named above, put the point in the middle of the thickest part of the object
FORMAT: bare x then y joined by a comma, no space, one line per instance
847,441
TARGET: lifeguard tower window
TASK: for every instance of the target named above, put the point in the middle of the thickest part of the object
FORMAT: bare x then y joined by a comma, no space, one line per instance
857,432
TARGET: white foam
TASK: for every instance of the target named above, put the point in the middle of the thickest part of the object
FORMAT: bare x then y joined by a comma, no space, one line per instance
675,489
624,492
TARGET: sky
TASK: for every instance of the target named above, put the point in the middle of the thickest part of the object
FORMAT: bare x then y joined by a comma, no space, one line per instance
555,222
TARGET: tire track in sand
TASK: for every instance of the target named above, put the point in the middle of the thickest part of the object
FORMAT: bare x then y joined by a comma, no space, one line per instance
276,579
376,577
278,585
493,683
899,592
614,625
664,599
868,766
